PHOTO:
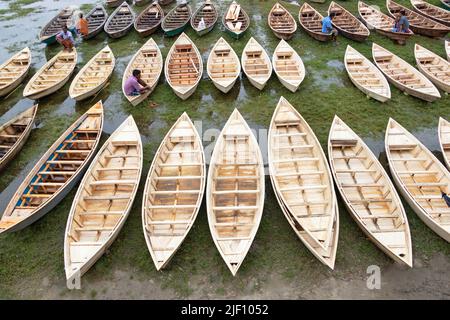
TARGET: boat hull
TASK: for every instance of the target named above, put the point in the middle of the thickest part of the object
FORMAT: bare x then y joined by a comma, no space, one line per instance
177,31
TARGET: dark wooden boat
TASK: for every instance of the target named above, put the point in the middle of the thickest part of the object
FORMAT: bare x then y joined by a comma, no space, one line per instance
114,3
235,20
427,9
446,4
176,20
120,22
96,21
51,29
140,3
208,12
311,21
347,24
149,20
165,2
281,22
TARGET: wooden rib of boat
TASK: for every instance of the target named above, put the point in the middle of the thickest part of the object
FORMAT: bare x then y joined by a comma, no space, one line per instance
184,67
223,66
433,67
96,19
446,4
173,191
256,64
302,182
447,49
311,21
56,173
176,20
420,177
51,76
103,200
114,3
431,11
444,140
403,75
165,2
51,29
281,22
368,193
149,20
347,24
140,3
418,23
208,13
120,22
148,59
383,24
235,191
14,71
14,134
93,76
365,76
288,66
235,20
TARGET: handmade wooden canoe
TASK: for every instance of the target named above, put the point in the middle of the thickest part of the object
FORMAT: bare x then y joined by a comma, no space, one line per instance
174,191
149,60
184,67
302,182
52,76
140,3
120,22
433,67
365,76
14,71
223,66
368,193
165,2
431,11
288,66
114,3
281,22
96,18
51,29
311,21
383,24
104,199
235,191
93,76
14,134
347,24
418,23
420,177
446,4
235,20
256,64
149,20
208,13
176,20
403,75
444,140
447,49
56,173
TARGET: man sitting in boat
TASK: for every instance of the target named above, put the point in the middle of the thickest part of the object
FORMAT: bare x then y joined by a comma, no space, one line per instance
65,38
82,25
327,27
403,22
134,85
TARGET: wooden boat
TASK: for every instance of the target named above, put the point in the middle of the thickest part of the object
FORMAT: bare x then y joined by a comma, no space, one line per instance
208,13
223,66
281,22
149,60
431,11
403,75
149,20
420,177
165,2
446,4
444,140
447,49
368,193
120,22
14,71
311,21
173,191
365,76
302,182
56,173
176,20
256,64
235,20
51,29
140,3
347,24
184,67
93,76
433,67
114,3
103,200
418,23
288,66
52,76
96,18
235,191
14,134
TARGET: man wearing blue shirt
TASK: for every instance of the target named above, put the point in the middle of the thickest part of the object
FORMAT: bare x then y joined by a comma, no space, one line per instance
403,23
327,26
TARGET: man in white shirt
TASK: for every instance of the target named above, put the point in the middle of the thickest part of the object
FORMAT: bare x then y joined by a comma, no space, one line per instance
65,38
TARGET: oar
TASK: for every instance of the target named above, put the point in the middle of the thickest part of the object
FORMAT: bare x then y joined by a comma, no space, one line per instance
99,92
12,92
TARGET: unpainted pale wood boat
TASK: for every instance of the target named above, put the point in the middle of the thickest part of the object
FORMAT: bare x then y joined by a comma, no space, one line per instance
288,66
447,49
114,3
208,13
235,20
14,134
50,30
184,67
347,24
256,64
176,20
433,67
120,22
311,21
56,172
427,9
173,191
52,76
223,66
302,182
365,76
444,140
235,191
403,75
96,19
281,22
420,177
149,20
103,200
14,71
368,193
